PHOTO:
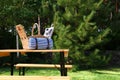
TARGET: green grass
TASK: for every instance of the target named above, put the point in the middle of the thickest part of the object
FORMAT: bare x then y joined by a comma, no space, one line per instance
93,74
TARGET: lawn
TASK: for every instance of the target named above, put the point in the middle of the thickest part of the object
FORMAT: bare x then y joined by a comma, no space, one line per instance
92,74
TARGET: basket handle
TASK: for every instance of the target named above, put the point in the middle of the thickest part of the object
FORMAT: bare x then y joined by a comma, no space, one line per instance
35,25
38,27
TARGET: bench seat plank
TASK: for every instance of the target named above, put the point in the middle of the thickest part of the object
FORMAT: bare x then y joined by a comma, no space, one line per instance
41,65
34,78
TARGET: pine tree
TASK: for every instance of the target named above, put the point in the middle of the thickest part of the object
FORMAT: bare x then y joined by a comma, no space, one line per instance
77,30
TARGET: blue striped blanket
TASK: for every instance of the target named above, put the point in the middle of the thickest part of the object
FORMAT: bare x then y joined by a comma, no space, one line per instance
40,43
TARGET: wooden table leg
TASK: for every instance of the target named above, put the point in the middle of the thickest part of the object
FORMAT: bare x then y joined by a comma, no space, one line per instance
62,64
12,63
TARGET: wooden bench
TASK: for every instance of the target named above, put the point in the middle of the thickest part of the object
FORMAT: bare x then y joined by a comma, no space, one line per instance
34,78
19,65
63,53
24,65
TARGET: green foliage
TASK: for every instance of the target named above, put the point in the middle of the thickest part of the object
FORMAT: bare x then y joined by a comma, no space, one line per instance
77,30
7,40
91,59
24,12
79,24
61,40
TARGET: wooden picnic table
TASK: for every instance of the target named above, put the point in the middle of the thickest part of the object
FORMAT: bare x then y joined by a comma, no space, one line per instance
63,54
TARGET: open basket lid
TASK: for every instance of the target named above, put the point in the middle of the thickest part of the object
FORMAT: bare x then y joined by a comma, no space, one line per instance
22,34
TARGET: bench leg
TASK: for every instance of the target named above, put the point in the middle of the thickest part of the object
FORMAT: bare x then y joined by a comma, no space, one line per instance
22,71
62,65
65,73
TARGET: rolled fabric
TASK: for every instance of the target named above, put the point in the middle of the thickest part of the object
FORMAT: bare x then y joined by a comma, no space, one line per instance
40,43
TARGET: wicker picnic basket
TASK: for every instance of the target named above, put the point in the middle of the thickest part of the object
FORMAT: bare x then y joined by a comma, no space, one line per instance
34,41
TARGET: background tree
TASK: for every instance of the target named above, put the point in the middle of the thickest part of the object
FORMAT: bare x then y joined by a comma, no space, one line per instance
114,25
77,30
23,12
80,25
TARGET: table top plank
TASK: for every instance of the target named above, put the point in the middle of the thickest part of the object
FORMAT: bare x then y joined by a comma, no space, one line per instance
29,50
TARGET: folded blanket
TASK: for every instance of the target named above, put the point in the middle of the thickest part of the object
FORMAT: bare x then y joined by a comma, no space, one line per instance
40,43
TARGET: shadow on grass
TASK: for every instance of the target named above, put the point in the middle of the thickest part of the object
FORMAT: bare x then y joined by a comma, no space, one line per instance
4,69
111,71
